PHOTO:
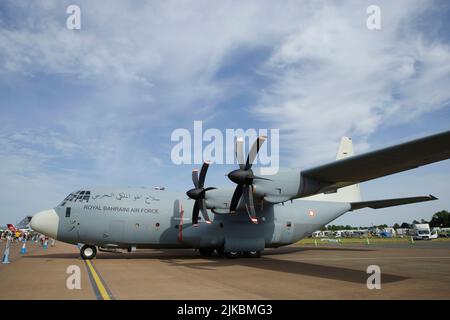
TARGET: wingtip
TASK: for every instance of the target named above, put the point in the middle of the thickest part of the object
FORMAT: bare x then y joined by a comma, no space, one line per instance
432,197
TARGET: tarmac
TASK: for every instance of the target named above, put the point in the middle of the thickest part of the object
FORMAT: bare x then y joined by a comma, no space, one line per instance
328,271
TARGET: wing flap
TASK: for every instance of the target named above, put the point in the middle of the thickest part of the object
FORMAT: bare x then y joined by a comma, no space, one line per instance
378,204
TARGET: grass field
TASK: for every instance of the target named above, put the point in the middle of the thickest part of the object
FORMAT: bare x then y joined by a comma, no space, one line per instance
364,240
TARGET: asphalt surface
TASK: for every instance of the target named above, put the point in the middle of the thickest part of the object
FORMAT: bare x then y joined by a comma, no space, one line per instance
329,271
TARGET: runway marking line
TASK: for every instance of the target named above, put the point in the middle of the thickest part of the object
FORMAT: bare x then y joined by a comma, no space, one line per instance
99,286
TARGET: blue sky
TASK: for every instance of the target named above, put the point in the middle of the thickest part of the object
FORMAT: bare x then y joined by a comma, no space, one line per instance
97,106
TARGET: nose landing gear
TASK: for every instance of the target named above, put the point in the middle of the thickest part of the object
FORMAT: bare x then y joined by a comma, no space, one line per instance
88,252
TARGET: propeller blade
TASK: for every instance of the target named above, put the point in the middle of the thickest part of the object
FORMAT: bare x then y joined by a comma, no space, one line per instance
195,212
249,205
254,151
195,178
204,211
203,171
240,152
236,196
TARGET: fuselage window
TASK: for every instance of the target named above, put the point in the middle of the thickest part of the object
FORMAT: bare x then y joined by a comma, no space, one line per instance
68,212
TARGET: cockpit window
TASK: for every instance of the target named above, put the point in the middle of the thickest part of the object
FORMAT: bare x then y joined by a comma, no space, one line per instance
86,196
79,196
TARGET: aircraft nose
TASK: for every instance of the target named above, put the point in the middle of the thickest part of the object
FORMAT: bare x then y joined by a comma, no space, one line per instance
46,222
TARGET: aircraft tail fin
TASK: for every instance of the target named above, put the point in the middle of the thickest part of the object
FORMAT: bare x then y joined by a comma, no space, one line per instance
346,194
351,193
345,148
11,227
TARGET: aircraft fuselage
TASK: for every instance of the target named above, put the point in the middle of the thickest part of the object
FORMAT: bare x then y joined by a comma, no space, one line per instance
145,218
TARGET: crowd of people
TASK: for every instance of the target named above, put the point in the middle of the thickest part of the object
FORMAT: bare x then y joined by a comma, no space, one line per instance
26,236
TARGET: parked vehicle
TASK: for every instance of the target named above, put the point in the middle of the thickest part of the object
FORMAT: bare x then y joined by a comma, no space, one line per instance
421,231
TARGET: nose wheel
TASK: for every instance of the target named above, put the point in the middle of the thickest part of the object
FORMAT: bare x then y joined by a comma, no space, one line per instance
88,252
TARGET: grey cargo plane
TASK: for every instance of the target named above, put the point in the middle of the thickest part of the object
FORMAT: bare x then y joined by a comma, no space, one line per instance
262,211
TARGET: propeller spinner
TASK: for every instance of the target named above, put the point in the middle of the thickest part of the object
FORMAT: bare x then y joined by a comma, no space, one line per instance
244,177
198,194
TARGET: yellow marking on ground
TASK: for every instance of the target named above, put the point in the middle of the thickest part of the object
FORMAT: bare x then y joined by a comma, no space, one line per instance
98,282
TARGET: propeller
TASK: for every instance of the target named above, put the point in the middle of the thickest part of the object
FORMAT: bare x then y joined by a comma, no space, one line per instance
198,194
244,177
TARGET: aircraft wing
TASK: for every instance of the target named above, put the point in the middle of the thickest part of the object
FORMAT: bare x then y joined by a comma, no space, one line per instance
378,163
378,204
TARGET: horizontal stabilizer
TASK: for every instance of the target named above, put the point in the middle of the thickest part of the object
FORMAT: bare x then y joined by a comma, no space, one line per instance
377,204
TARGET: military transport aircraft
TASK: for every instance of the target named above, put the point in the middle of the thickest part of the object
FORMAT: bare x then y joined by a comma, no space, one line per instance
262,211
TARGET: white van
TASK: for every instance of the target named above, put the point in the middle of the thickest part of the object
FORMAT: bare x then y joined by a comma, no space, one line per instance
421,231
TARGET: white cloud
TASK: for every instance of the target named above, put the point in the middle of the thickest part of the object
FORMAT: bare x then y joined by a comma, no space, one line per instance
334,77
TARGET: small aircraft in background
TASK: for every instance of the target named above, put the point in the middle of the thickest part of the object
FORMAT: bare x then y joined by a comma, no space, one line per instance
22,227
261,211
